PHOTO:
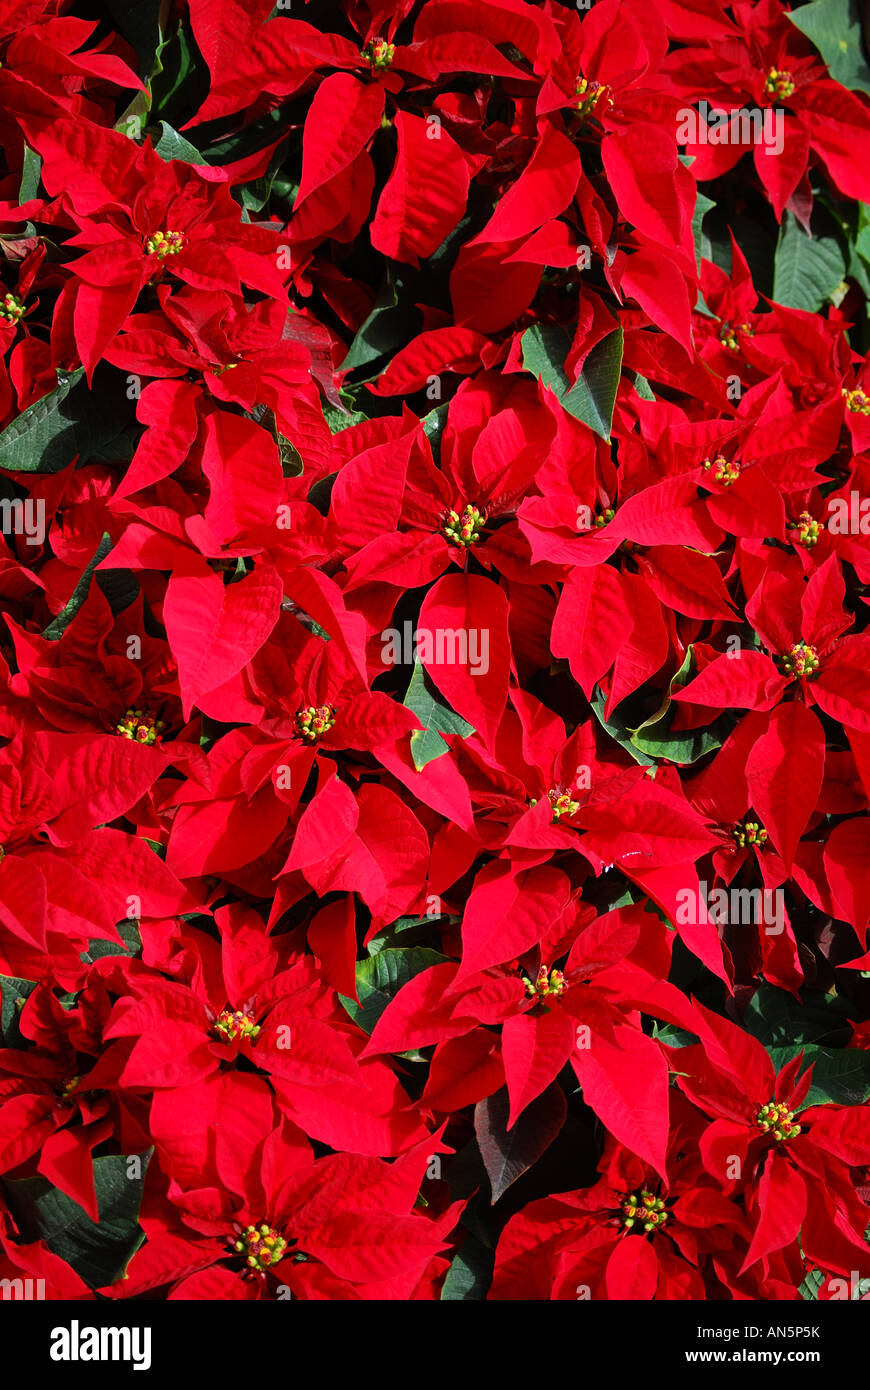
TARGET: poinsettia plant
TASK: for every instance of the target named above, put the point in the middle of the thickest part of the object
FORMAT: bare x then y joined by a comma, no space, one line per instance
434,650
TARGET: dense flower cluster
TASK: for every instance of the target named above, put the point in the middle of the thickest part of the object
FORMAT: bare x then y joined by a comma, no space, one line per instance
434,651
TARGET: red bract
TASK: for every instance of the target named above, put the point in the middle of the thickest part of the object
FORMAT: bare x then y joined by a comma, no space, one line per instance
627,1237
764,1136
769,63
434,652
803,630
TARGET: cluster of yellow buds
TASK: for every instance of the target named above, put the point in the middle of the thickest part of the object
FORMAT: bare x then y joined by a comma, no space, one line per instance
749,832
779,83
262,1247
562,802
800,660
589,95
379,53
547,982
66,1095
726,473
234,1023
140,726
728,335
165,244
11,308
857,401
606,516
775,1118
808,530
465,528
313,721
644,1210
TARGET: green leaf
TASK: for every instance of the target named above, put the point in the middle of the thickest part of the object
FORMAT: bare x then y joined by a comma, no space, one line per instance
252,138
683,746
25,443
807,269
379,979
642,387
339,420
58,626
753,238
813,1281
415,929
840,1077
171,145
617,728
778,1020
31,170
70,422
118,586
179,77
129,934
671,1036
862,240
436,717
99,1252
433,423
703,204
139,22
592,396
386,329
655,738
470,1273
834,26
13,993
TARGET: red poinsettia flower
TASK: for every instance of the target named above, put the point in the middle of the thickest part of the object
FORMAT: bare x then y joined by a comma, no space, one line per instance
792,1163
809,655
765,63
630,1236
54,1105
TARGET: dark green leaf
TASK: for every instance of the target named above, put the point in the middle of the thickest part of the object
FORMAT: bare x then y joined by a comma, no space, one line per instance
412,930
249,139
386,329
339,420
171,145
807,269
779,1020
434,422
379,979
703,205
70,422
30,173
470,1273
642,387
13,992
671,1036
139,22
122,589
862,240
834,26
655,737
58,626
839,1077
179,78
98,1252
129,934
617,728
592,396
436,717
814,1280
